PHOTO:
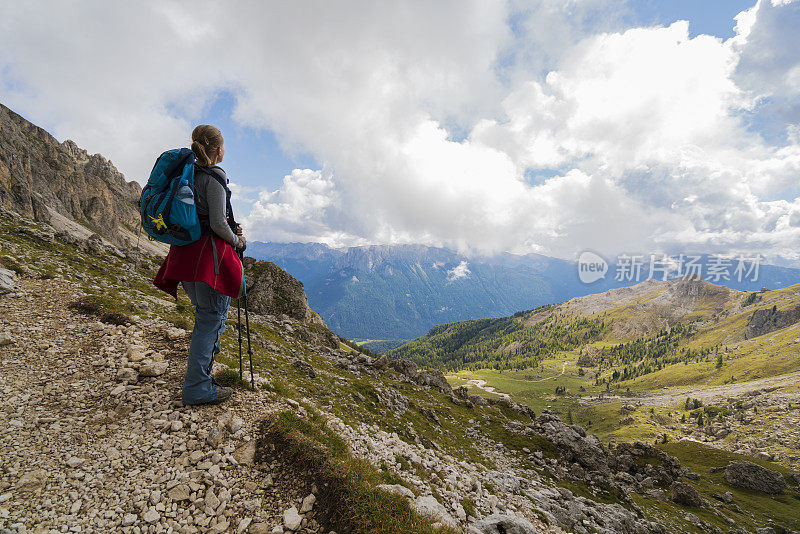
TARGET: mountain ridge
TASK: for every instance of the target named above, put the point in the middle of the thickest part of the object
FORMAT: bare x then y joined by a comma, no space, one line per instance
384,292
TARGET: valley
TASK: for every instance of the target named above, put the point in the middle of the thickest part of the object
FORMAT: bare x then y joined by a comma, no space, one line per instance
664,361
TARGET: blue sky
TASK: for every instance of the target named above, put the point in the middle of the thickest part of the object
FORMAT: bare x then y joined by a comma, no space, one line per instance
544,126
254,157
711,17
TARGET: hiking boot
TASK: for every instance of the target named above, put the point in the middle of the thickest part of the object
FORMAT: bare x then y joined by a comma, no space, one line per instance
223,394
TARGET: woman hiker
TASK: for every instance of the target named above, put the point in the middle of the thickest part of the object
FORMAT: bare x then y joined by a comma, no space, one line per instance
209,269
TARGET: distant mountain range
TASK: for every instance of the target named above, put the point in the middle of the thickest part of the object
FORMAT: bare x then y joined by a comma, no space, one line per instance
401,291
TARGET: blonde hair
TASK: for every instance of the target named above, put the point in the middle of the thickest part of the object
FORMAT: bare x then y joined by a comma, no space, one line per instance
206,139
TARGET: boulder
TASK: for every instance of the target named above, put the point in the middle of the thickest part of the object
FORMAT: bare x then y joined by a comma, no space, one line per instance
477,400
575,446
381,363
502,524
754,477
273,291
305,368
435,379
317,334
404,367
429,506
8,279
685,494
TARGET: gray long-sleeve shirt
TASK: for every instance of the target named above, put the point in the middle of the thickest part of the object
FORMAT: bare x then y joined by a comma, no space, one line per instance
211,200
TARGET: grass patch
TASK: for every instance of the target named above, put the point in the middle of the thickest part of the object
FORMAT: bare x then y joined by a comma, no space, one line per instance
759,508
469,506
348,497
230,378
94,306
9,263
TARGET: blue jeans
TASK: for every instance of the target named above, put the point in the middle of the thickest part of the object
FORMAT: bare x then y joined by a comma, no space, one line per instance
211,312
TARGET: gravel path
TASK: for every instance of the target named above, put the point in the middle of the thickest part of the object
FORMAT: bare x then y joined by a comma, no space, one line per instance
95,438
707,394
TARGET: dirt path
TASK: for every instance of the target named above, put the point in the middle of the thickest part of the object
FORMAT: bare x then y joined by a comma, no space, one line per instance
481,384
94,441
563,370
707,394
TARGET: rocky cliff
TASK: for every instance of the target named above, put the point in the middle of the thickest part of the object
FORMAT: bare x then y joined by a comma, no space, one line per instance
768,320
273,291
62,185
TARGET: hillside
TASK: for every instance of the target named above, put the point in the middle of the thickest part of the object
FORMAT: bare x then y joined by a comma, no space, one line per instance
331,439
399,292
624,362
113,356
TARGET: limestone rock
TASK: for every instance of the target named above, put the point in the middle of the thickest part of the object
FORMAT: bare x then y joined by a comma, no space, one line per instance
50,181
391,399
32,480
435,379
429,506
179,493
153,369
308,503
292,519
8,279
174,334
404,367
305,368
754,477
502,524
5,339
151,516
273,291
246,453
767,320
397,489
686,494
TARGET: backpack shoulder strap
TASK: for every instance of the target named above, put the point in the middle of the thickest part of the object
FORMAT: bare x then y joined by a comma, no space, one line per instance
219,175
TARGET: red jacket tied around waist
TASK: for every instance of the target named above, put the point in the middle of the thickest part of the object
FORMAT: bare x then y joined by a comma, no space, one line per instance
195,263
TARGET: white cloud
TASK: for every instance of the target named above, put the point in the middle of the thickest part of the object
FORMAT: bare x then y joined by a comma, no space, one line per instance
459,271
427,116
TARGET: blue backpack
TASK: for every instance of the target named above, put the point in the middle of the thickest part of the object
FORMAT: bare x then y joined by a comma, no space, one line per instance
167,205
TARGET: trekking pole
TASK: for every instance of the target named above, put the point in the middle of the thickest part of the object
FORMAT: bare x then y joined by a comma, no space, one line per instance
239,327
247,323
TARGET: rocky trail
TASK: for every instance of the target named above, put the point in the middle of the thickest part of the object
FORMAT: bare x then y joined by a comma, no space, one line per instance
707,394
96,439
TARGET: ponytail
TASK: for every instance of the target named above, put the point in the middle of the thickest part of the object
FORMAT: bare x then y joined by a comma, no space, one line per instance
206,139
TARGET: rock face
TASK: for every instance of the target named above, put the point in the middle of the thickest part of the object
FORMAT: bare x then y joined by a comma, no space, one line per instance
574,444
404,367
754,477
502,524
45,180
273,291
770,319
